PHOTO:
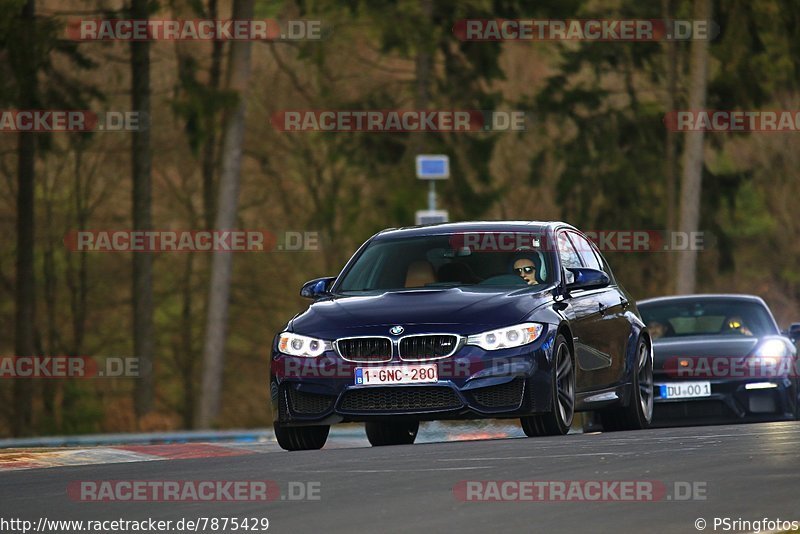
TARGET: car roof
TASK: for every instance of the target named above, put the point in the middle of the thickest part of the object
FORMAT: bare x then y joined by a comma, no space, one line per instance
704,296
472,226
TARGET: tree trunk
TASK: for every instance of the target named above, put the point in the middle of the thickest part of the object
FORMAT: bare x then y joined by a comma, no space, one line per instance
222,262
423,70
24,333
691,182
143,331
51,410
209,152
671,148
186,355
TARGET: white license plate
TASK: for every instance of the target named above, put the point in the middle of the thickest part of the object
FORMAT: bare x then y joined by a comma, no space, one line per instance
397,374
684,390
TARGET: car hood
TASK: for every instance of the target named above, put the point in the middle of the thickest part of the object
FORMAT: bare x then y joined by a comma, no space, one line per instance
460,310
667,349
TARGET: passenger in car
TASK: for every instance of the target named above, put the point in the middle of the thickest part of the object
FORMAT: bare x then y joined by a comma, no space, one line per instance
658,329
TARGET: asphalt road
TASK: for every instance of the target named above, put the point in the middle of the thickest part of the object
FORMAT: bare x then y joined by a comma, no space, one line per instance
747,472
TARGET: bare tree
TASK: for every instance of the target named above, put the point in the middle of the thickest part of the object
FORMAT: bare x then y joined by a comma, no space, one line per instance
141,158
228,200
671,148
25,334
202,101
209,153
691,181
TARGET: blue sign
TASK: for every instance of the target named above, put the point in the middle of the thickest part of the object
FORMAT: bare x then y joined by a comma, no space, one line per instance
433,167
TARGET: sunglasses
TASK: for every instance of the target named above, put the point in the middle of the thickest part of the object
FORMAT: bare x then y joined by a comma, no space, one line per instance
527,269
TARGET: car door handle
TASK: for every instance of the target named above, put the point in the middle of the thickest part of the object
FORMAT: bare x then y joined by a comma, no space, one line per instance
602,308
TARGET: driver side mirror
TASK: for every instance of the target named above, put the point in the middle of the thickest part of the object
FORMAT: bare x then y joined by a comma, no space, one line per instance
318,287
587,279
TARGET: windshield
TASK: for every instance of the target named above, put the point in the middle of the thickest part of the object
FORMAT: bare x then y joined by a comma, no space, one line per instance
443,261
676,318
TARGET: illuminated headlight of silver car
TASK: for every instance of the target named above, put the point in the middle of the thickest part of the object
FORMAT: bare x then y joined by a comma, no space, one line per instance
772,351
297,345
508,337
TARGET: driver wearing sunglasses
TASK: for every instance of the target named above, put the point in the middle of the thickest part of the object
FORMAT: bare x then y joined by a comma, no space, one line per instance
526,268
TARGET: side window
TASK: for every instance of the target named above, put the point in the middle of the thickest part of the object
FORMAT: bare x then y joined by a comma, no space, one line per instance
569,257
604,265
586,251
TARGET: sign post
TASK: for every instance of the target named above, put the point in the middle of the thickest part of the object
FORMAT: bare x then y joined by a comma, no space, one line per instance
432,167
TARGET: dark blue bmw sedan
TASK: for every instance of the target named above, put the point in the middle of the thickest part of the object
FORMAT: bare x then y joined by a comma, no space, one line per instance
461,321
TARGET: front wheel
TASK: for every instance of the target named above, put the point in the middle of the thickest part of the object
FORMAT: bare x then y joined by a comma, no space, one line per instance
301,438
639,411
380,433
559,419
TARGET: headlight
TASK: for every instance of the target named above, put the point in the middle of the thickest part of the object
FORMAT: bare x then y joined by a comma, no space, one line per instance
506,338
297,345
772,349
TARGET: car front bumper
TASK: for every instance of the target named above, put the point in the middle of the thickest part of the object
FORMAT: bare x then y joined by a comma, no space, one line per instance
747,400
472,383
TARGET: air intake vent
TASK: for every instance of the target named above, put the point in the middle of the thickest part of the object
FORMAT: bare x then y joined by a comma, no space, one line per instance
365,349
400,399
428,347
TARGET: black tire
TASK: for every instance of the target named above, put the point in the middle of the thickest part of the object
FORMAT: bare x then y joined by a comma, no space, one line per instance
638,414
301,438
380,433
557,421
